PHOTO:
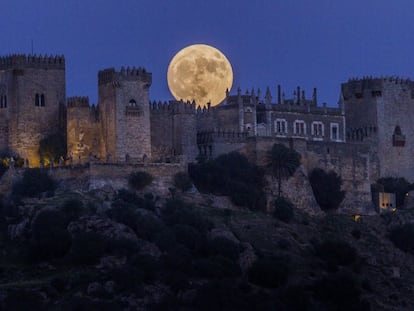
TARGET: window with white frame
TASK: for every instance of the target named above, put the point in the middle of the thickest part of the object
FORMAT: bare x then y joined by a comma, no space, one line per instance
317,129
334,131
299,127
281,126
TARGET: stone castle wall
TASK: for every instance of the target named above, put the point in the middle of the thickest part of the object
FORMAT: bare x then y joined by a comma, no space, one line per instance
84,137
173,130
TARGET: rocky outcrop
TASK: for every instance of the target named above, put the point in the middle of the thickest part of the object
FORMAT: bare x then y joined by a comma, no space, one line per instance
101,225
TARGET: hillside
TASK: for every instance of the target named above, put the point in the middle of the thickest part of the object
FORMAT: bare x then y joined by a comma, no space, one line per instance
126,250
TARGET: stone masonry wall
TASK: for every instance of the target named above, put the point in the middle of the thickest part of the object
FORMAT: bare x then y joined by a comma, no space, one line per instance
30,123
83,130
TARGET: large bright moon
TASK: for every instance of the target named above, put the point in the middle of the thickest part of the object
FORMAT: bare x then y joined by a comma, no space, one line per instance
201,73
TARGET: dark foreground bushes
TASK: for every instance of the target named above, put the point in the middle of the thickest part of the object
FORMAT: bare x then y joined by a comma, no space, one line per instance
35,181
234,176
403,237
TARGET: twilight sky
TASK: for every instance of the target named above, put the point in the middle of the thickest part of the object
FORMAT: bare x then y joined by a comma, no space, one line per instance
311,43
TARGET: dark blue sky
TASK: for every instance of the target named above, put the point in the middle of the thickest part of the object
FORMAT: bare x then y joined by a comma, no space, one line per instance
311,43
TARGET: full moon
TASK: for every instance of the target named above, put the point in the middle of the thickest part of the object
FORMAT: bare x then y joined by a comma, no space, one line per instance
201,73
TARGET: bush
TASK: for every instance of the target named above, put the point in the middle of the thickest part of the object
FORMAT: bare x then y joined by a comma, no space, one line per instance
189,236
139,180
182,181
216,267
231,175
326,189
269,272
340,292
283,209
224,247
177,212
403,237
72,208
336,252
87,248
50,239
52,147
34,182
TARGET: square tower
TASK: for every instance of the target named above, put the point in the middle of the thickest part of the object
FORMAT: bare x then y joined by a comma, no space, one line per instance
32,102
125,114
379,113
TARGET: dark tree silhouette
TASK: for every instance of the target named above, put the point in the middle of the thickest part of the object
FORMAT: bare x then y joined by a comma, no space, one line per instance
326,188
282,162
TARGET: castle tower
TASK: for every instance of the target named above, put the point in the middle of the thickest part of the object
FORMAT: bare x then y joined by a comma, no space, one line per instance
32,102
124,113
379,113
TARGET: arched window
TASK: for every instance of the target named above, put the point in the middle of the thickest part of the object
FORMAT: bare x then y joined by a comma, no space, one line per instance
132,103
398,139
1,101
5,101
42,100
37,100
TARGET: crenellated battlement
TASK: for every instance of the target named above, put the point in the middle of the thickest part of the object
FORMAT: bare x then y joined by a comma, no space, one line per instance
22,61
110,75
173,106
78,102
370,87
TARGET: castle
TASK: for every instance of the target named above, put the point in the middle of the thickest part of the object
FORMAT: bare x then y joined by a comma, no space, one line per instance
369,135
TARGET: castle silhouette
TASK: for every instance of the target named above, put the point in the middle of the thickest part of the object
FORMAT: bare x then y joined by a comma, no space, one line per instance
368,136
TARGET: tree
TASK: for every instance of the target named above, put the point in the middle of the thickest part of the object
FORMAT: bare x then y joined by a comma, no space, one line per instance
282,162
326,188
52,147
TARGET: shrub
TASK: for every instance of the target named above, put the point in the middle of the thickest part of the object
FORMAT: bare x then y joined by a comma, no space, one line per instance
232,175
139,180
356,234
182,181
403,237
52,147
340,292
147,226
224,247
336,252
216,267
269,272
326,189
50,239
189,237
283,209
21,299
177,212
34,182
72,208
126,196
87,248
